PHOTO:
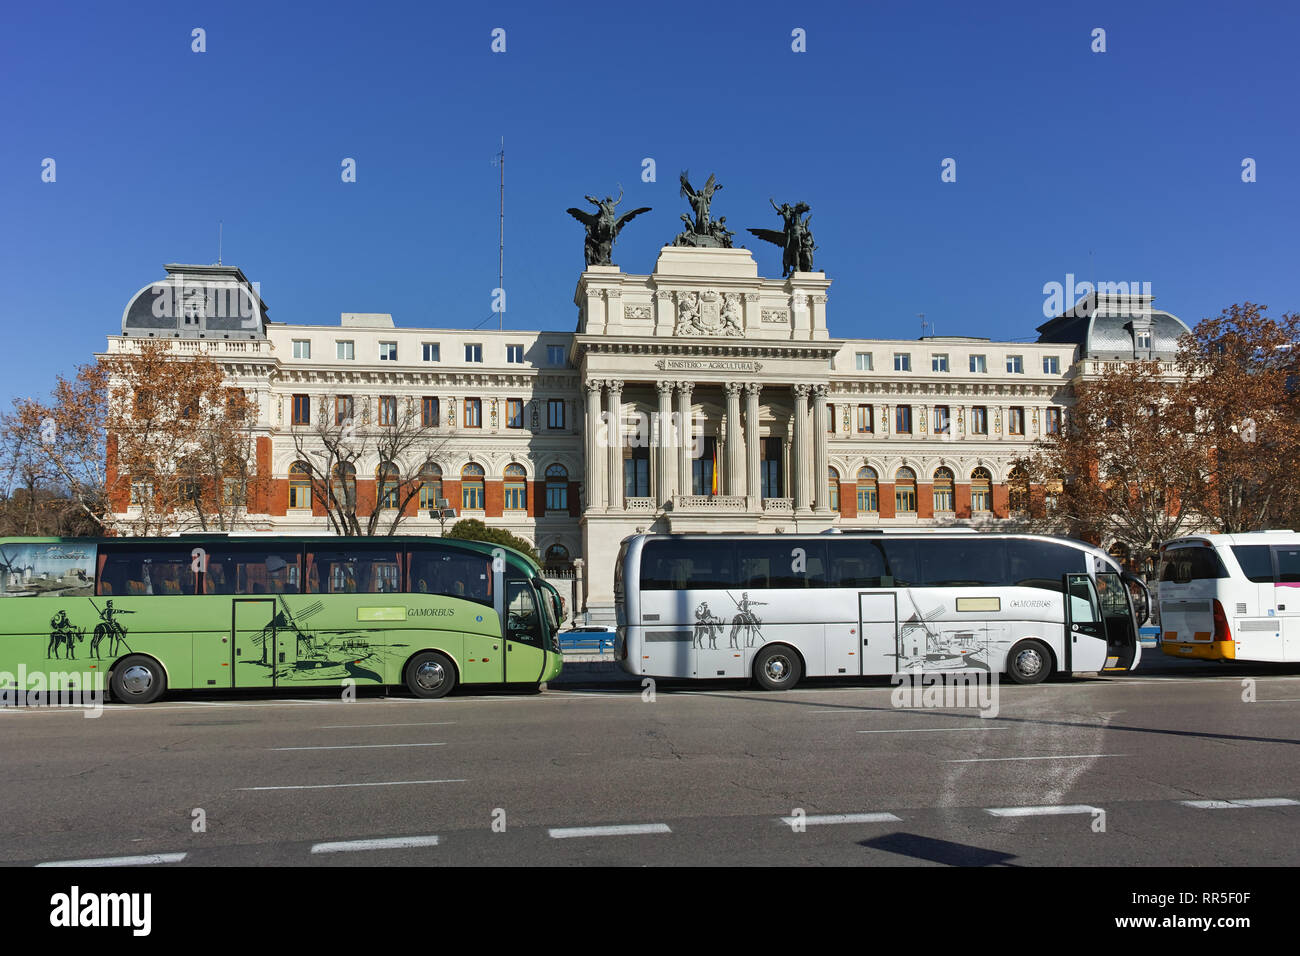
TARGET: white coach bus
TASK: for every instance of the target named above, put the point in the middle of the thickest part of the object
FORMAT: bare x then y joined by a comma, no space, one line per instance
780,607
1231,596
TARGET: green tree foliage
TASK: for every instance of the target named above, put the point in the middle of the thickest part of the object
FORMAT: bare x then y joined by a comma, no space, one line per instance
471,529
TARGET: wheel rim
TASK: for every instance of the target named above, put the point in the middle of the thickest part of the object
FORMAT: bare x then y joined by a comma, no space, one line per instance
137,679
1029,662
777,668
430,675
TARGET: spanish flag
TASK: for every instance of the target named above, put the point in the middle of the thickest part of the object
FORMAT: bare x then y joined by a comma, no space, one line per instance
715,467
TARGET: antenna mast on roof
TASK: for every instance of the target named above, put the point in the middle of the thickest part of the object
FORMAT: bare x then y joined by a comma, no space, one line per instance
924,324
219,225
501,247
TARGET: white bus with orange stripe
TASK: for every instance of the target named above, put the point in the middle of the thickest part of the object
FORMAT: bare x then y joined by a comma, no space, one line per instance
1231,596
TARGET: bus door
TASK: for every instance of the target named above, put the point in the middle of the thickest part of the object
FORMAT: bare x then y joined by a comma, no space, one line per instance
525,633
1085,626
253,642
1122,636
878,620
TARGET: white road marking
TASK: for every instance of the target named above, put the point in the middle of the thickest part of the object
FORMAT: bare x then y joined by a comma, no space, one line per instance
1042,811
392,843
148,860
1057,757
631,829
355,747
929,730
344,786
1240,804
833,818
428,723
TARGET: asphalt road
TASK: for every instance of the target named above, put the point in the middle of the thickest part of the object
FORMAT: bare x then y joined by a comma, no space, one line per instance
1169,766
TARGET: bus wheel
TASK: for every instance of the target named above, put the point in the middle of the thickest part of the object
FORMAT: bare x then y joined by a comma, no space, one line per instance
430,675
1030,662
777,668
137,680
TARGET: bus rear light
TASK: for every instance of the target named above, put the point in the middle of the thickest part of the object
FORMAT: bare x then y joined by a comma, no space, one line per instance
1221,630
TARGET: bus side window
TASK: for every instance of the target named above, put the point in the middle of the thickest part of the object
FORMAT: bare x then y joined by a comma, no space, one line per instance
523,623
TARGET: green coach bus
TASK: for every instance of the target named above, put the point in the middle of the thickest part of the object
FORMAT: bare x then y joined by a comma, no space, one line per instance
261,611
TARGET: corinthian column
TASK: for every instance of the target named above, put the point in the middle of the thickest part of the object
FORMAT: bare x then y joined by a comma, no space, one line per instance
665,444
615,407
821,453
735,442
752,440
595,464
799,463
684,437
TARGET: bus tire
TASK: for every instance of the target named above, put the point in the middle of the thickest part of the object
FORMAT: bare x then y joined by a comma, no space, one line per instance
1030,662
777,667
137,679
430,675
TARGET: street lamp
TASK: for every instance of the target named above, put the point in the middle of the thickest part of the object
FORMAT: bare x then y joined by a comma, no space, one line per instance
442,512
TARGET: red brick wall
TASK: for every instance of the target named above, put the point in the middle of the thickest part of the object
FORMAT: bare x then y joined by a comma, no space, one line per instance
494,498
924,500
848,499
575,490
277,496
961,499
887,499
1001,501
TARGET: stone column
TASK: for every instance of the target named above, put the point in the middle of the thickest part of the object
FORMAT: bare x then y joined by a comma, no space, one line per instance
665,444
615,410
799,461
735,442
595,470
821,456
684,437
752,441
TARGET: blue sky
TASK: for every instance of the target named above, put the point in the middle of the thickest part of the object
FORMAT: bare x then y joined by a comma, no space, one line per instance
1126,164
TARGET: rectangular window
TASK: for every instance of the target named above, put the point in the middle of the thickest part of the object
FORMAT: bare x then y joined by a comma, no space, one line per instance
1015,421
670,564
1053,421
555,356
354,571
938,363
1051,365
302,348
978,364
866,423
432,352
344,351
514,413
474,353
388,351
555,413
388,410
515,354
830,419
342,409
429,412
941,422
903,419
557,496
979,420
1143,339
252,569
902,362
1016,364
144,569
473,413
864,361
302,410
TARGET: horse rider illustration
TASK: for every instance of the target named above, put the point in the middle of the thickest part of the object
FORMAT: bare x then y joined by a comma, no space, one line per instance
110,628
706,625
745,621
62,633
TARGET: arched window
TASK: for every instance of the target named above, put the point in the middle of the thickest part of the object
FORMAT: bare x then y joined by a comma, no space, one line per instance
516,488
868,490
471,487
943,499
1018,490
557,556
300,485
387,482
981,491
430,486
557,488
905,491
833,488
343,485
